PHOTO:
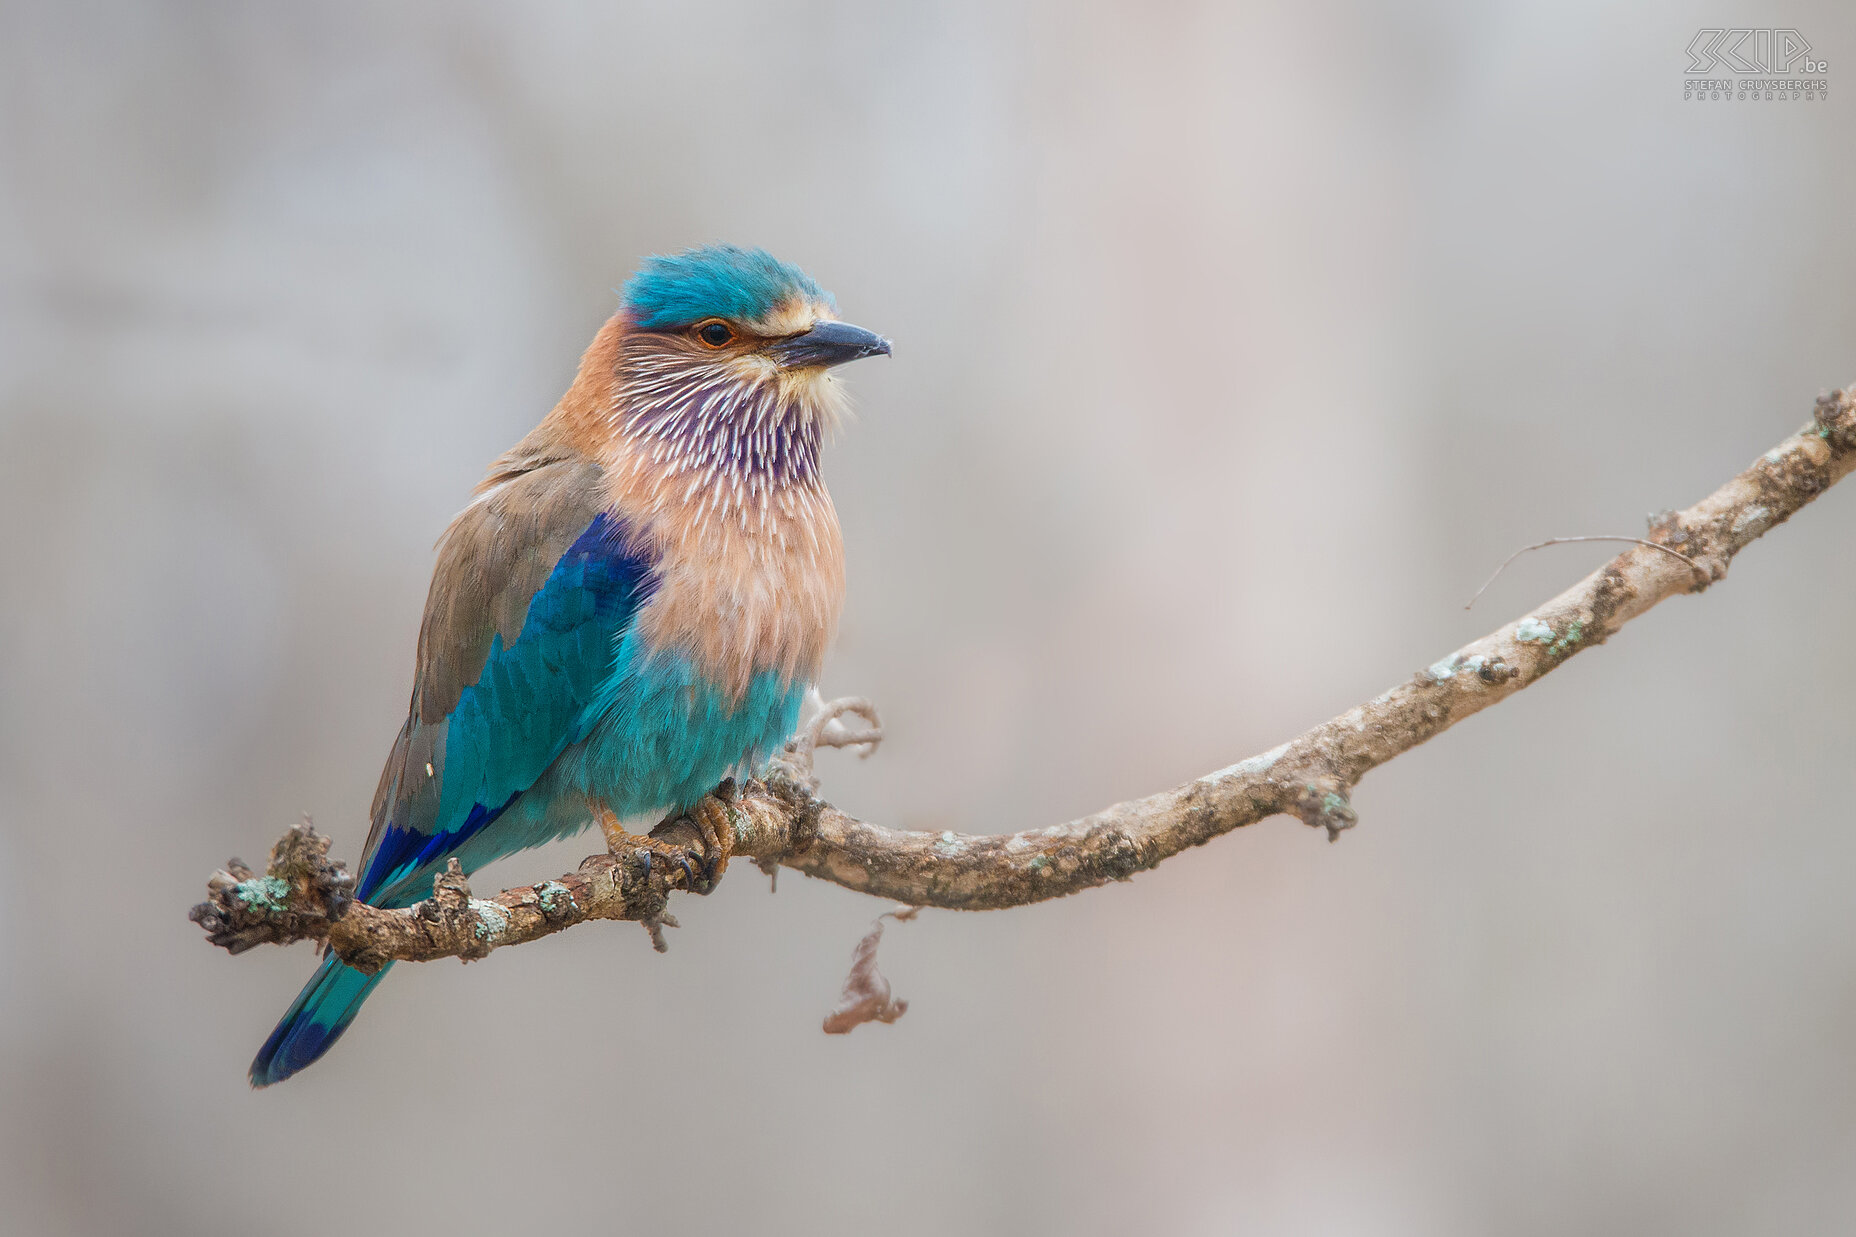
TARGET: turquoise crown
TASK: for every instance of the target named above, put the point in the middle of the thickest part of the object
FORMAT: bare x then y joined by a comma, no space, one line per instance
715,281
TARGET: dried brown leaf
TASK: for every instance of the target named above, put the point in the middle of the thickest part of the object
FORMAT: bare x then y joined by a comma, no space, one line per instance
866,996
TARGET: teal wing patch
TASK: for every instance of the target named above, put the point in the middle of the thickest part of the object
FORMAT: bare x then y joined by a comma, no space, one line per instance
451,777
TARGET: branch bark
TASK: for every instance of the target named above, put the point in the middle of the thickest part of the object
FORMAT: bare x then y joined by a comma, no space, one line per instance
780,819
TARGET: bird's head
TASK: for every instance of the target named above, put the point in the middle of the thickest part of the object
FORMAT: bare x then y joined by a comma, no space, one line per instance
731,342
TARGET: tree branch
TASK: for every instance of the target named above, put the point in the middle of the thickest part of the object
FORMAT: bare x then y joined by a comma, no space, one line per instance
781,820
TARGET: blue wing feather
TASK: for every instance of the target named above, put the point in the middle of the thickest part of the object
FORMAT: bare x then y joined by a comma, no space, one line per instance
533,699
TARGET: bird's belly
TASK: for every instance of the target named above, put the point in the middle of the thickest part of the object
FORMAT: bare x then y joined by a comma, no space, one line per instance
665,735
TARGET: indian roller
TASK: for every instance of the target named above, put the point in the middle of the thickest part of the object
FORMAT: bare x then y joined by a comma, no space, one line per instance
634,604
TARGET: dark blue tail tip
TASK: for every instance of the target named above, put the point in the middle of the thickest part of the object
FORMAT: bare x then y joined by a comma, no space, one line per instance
291,1047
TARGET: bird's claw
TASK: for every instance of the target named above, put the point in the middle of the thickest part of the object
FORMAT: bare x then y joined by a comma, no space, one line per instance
711,820
696,844
653,849
679,855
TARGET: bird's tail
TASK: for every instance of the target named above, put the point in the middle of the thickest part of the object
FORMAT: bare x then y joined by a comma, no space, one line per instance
315,1020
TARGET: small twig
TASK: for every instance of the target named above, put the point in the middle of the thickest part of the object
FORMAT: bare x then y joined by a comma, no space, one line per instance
827,729
1701,573
654,927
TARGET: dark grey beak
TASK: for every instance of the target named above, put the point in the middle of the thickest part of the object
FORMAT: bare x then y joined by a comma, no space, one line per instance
828,344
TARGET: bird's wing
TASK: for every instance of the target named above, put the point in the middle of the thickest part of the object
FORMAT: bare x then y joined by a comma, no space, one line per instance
534,585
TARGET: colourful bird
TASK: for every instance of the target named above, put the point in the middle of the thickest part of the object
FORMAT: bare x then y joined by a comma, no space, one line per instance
634,605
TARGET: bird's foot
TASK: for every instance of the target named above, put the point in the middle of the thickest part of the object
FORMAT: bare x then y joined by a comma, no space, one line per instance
826,728
676,858
712,822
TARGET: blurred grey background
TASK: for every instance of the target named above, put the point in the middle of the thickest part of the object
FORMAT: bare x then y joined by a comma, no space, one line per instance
1235,346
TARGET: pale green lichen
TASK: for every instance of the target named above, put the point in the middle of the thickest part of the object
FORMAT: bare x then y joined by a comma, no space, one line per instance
268,895
949,843
1533,631
492,920
549,895
1442,670
1565,643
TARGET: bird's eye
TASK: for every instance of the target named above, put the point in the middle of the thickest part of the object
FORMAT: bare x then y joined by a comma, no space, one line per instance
716,333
